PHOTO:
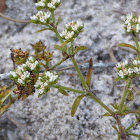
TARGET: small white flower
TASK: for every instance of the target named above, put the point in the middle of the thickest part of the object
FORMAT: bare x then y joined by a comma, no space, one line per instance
34,17
20,81
36,62
129,16
118,65
40,91
137,28
69,35
125,72
50,5
128,27
136,70
63,33
130,71
45,84
139,19
120,73
135,62
31,58
40,3
127,21
13,73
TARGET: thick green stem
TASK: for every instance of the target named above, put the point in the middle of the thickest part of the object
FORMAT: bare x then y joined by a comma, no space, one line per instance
69,89
124,95
122,132
80,74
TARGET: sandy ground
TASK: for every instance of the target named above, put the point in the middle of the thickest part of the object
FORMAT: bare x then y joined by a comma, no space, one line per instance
48,118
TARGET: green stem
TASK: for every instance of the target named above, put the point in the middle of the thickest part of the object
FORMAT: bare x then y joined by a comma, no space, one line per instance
72,48
58,35
53,17
80,74
69,89
52,68
101,103
125,95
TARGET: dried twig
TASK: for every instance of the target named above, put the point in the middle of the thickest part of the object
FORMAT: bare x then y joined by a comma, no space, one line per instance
111,54
14,20
67,67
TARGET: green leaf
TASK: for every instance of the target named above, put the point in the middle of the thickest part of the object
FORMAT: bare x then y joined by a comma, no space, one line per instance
80,48
63,49
130,95
118,79
76,104
116,106
106,114
89,75
43,30
132,134
115,128
137,44
58,21
63,91
128,46
59,73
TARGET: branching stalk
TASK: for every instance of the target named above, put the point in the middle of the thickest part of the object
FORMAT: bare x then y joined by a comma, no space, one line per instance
125,95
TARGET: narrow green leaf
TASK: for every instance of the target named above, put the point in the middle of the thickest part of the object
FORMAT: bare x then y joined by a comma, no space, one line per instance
106,114
60,48
43,30
64,44
127,45
58,21
59,73
116,106
63,91
76,104
115,128
117,79
130,95
80,48
89,75
132,134
137,44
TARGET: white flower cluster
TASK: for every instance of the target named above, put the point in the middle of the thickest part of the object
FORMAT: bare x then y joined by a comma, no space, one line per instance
124,71
31,63
44,81
53,4
132,23
21,73
41,16
72,30
40,3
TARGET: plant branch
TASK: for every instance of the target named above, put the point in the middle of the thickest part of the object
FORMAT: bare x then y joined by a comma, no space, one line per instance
69,89
125,95
80,74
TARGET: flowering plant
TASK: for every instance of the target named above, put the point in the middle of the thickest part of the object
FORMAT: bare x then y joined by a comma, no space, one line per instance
35,74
